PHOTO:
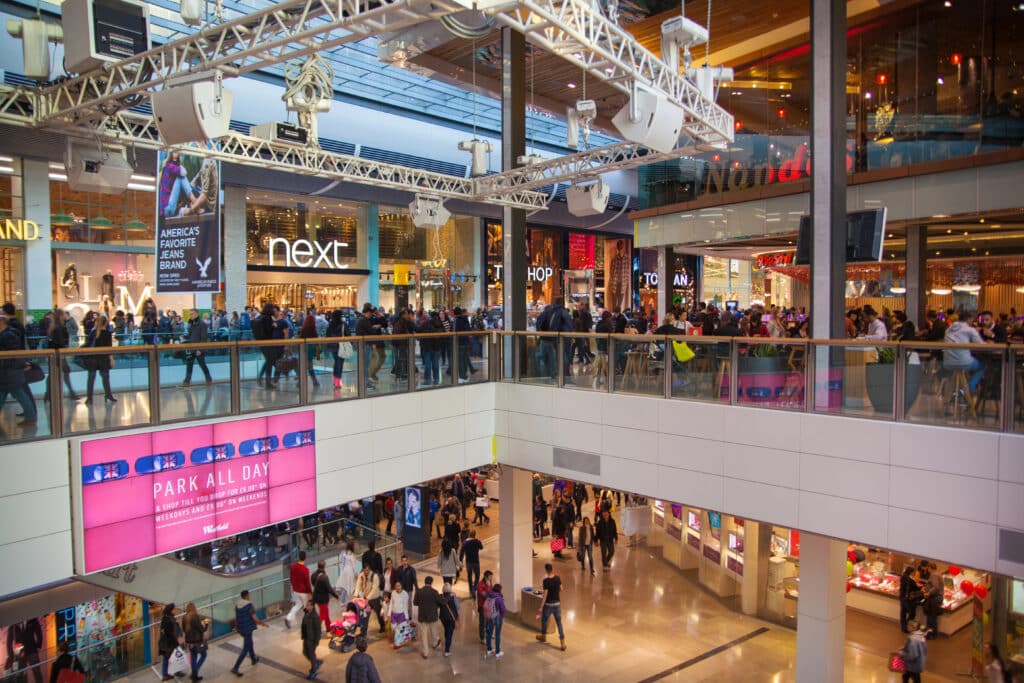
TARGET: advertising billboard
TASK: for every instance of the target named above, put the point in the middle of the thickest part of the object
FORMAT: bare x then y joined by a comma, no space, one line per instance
187,224
142,495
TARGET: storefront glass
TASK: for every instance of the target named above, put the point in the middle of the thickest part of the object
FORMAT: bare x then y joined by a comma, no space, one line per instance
124,219
728,280
932,82
12,252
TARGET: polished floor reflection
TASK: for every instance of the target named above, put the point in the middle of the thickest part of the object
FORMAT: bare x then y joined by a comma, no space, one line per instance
641,621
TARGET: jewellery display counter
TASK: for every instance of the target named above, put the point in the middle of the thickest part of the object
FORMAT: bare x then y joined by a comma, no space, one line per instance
875,589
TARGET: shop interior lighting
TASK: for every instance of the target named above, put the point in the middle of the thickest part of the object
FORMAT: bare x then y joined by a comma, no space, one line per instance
7,169
101,222
970,289
135,225
941,291
1020,290
62,219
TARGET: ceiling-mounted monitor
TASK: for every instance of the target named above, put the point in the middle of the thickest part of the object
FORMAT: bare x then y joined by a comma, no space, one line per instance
865,237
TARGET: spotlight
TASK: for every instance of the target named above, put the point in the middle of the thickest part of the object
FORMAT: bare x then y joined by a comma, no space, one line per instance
479,149
428,211
588,200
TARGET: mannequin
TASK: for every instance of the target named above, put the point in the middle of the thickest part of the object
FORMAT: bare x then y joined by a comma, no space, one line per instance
107,285
70,282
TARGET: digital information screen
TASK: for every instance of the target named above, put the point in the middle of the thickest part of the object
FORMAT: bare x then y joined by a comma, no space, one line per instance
142,495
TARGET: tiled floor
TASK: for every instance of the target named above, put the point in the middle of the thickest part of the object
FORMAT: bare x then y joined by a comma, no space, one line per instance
642,621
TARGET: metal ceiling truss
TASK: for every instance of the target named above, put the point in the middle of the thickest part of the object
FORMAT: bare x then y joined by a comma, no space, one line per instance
97,104
577,31
574,167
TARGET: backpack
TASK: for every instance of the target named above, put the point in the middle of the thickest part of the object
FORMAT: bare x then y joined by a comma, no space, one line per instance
490,609
544,320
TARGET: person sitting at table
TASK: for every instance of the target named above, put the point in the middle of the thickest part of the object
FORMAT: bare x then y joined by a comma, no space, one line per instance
905,328
989,330
960,332
875,327
668,326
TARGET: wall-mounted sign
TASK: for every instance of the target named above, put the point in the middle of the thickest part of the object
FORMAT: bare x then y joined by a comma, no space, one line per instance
776,260
305,254
401,274
679,280
188,224
19,229
533,273
147,494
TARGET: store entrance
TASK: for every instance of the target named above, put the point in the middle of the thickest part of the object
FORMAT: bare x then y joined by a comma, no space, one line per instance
12,275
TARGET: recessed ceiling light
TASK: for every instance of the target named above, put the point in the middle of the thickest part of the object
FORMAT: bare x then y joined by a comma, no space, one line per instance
940,80
570,85
949,231
981,220
890,235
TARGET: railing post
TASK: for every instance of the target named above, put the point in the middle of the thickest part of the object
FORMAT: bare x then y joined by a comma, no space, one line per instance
611,364
899,379
454,365
517,357
303,370
235,377
668,356
410,364
734,371
153,358
560,360
811,378
56,378
1008,401
361,367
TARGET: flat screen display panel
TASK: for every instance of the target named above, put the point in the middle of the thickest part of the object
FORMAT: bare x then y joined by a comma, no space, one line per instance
865,237
177,488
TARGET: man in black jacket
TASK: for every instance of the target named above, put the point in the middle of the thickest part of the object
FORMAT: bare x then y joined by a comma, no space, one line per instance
311,639
579,497
465,366
429,603
197,334
607,533
406,574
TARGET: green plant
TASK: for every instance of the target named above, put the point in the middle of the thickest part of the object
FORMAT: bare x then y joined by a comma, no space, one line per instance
765,351
886,355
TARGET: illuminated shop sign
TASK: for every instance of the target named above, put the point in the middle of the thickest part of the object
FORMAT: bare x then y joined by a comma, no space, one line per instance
680,280
306,254
775,260
19,229
533,273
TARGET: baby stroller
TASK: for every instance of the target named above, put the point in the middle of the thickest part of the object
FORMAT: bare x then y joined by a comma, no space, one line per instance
352,623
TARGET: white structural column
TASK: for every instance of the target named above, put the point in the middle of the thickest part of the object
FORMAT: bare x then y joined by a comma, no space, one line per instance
234,275
750,597
666,270
38,273
821,610
515,543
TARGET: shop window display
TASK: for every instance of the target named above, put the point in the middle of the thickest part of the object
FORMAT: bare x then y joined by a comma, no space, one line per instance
124,219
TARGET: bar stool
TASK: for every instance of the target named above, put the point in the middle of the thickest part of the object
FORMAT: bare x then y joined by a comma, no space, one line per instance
960,383
724,373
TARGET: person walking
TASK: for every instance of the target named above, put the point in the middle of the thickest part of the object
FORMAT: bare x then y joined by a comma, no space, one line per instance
449,613
311,638
607,533
65,662
323,591
368,587
910,596
483,590
448,564
58,338
406,575
470,554
585,545
302,588
197,334
360,667
194,627
400,616
428,602
552,605
494,614
100,336
246,621
347,573
914,653
170,639
579,497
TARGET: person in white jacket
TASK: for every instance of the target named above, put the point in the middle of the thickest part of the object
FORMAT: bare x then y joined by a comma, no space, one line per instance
348,570
400,611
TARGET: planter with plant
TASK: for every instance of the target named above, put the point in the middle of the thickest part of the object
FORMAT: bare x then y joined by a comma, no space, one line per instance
880,380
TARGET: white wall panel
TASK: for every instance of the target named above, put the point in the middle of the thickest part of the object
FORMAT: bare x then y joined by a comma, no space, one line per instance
691,419
844,518
1011,505
344,451
577,436
845,478
531,427
692,488
395,441
765,428
639,477
763,465
479,452
480,397
339,419
630,444
947,538
438,404
40,465
581,406
843,437
480,425
395,411
691,453
943,449
443,432
943,494
635,412
1011,458
441,462
396,472
761,501
341,486
35,562
35,513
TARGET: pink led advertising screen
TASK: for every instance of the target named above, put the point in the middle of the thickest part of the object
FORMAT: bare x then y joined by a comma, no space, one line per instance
149,494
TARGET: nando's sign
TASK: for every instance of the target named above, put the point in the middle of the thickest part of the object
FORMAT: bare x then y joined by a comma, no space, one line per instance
722,177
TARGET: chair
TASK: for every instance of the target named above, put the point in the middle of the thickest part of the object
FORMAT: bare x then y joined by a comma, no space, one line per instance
960,384
724,373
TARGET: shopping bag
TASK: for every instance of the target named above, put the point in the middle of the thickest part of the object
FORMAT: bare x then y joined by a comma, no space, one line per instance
346,351
70,676
682,351
286,364
483,502
33,373
896,663
557,544
178,663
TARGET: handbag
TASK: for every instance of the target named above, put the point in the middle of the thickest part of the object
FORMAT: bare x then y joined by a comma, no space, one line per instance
346,351
682,351
557,544
483,502
286,363
896,663
579,555
33,373
70,676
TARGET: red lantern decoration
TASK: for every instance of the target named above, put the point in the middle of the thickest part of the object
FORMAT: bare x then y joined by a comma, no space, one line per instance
956,58
967,587
980,592
954,570
849,585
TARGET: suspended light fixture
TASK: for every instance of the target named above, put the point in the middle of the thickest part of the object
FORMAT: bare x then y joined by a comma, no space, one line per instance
1020,290
62,219
898,287
941,291
101,222
968,288
135,225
